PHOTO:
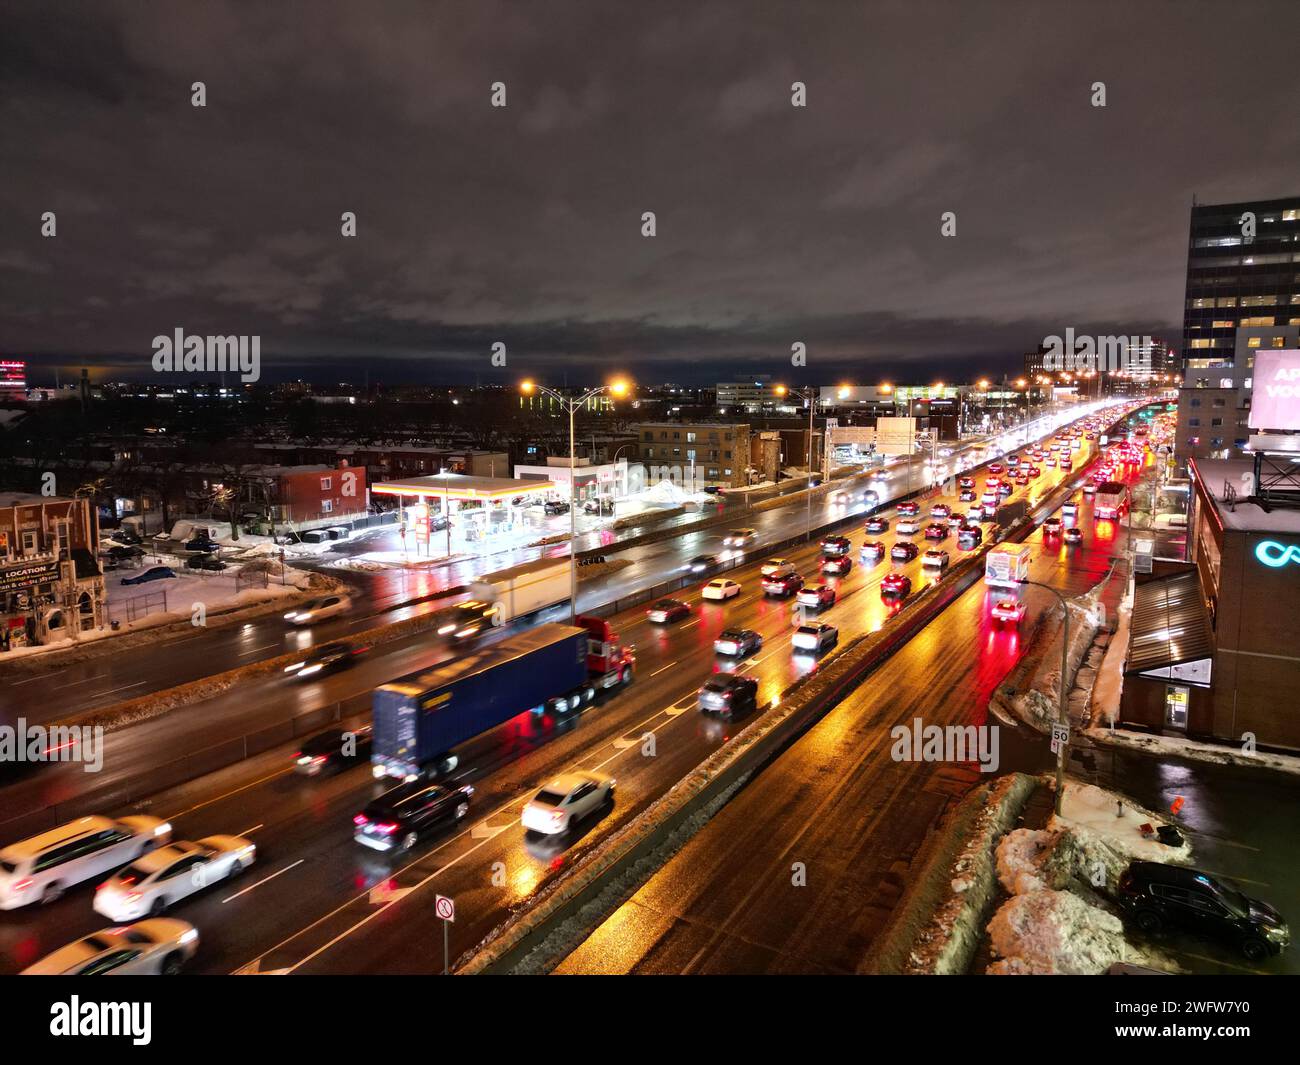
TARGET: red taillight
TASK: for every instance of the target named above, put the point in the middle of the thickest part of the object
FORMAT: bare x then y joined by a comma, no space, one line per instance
387,827
22,885
297,755
360,820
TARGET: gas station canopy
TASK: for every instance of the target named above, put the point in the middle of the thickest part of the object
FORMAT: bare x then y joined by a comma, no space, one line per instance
461,486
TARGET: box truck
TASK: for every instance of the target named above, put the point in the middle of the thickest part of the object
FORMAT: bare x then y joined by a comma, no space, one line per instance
1007,564
420,720
499,598
1110,499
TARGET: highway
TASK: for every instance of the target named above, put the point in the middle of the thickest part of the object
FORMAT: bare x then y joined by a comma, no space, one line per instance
837,802
317,902
393,594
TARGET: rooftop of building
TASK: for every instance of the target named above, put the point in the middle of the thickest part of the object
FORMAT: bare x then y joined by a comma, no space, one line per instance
1242,516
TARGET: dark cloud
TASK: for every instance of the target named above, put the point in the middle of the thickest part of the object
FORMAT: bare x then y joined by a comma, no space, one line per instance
775,224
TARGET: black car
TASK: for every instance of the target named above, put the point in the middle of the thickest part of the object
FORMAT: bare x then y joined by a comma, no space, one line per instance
836,546
970,536
877,524
702,563
740,643
325,659
1155,896
728,694
201,543
334,749
397,819
205,562
904,551
125,534
664,610
556,506
120,552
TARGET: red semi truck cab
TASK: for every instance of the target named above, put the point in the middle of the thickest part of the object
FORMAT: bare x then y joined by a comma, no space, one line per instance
608,661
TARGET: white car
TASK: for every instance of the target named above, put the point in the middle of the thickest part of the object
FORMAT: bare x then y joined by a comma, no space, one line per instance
815,637
566,800
314,610
722,588
739,537
42,868
776,567
907,526
149,885
157,947
935,558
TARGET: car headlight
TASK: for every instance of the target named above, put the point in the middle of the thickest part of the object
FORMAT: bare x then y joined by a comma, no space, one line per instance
315,667
190,935
163,829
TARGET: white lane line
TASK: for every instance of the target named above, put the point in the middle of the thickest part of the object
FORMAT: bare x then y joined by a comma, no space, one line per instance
110,691
40,676
250,831
661,669
263,881
254,650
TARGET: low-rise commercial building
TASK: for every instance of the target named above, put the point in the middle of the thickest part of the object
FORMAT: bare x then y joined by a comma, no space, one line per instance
51,585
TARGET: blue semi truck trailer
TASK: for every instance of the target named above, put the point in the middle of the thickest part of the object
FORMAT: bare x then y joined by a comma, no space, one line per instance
420,719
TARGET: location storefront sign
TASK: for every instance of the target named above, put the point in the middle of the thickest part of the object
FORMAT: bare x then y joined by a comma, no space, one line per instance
25,576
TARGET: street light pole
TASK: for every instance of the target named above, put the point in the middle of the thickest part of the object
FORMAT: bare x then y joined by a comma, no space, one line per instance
572,406
1063,712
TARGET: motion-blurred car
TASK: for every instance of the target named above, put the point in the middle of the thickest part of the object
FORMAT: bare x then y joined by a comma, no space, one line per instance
333,749
325,659
702,563
837,567
816,596
720,588
935,559
776,567
877,523
163,877
1052,526
907,526
909,506
969,536
896,586
398,819
566,800
836,546
1074,536
815,637
728,694
739,643
782,584
43,867
158,947
154,573
314,610
665,610
740,537
967,495
940,510
872,551
902,551
1012,610
936,530
966,482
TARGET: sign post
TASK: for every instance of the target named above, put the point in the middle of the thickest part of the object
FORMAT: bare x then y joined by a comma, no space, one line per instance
445,908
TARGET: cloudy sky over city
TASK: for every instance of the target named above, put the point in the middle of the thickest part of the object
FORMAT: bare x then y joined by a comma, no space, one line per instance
523,224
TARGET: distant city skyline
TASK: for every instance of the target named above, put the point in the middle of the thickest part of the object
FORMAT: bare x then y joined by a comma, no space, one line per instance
522,225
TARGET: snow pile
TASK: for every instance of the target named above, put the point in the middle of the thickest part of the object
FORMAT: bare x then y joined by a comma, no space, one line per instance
1182,747
1048,933
1110,678
1057,920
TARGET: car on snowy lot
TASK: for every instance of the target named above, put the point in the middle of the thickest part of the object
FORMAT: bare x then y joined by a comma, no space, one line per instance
1154,896
154,573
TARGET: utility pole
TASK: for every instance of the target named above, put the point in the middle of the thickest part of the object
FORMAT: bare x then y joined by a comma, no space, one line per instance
1063,709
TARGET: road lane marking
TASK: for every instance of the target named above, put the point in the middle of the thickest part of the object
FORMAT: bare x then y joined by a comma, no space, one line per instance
661,669
263,881
250,831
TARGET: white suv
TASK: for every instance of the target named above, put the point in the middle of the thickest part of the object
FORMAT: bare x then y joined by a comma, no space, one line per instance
776,567
42,868
566,800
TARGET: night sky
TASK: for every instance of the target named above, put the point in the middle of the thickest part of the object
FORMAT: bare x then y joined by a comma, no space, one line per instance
522,224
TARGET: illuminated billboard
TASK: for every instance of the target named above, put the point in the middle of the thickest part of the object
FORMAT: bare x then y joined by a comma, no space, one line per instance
1276,386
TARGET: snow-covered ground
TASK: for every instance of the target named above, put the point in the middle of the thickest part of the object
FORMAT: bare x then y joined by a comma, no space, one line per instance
1055,922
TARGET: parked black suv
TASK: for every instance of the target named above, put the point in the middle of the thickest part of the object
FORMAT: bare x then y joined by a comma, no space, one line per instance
1155,896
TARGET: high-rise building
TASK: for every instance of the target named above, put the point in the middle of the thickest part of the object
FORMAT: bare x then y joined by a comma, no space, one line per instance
752,394
1243,294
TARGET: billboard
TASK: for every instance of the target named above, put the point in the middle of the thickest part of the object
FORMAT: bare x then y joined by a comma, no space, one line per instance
1276,386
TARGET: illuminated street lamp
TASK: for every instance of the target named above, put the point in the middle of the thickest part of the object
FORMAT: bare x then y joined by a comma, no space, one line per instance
809,394
617,387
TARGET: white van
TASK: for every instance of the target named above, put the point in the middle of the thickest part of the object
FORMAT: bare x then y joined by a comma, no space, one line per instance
42,868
